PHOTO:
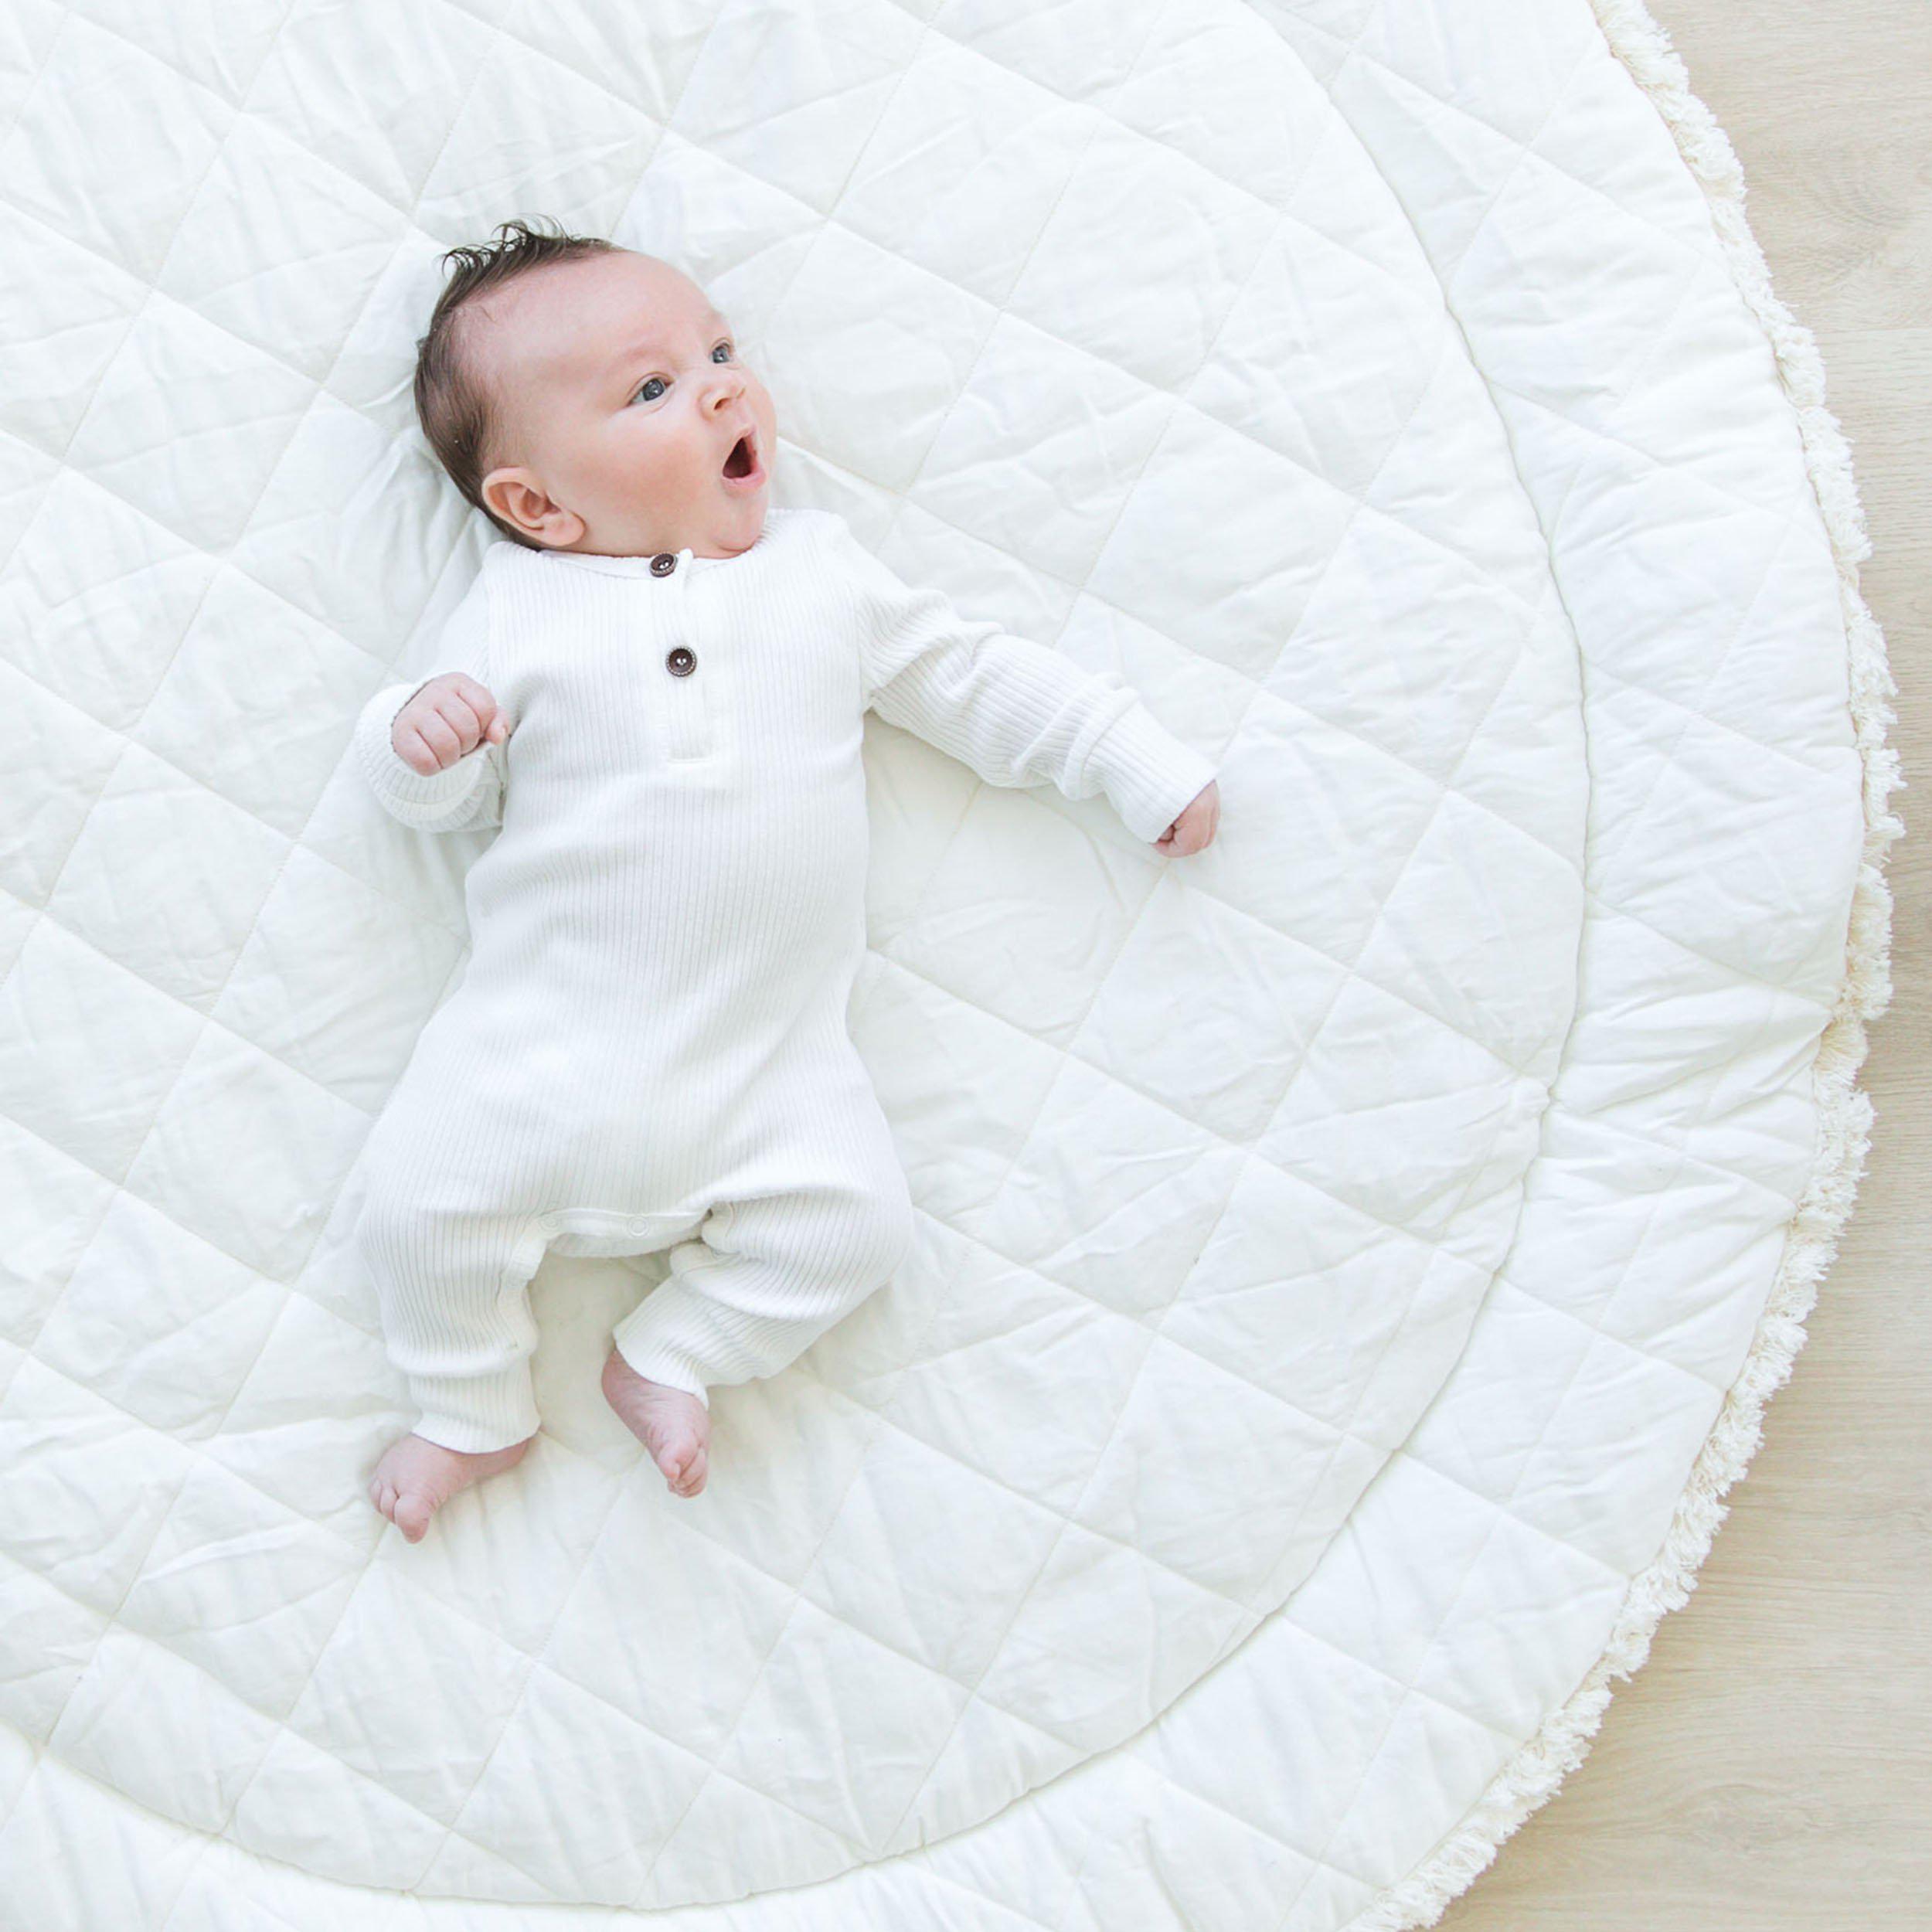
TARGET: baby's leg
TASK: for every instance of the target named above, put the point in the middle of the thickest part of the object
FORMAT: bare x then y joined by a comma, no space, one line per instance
453,1288
760,1282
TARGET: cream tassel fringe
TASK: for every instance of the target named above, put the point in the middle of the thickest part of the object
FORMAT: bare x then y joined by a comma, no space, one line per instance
1531,1778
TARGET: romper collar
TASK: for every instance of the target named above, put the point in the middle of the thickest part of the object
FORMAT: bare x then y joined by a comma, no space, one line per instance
687,559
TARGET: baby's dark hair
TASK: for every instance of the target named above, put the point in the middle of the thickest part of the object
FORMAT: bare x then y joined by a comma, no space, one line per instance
458,409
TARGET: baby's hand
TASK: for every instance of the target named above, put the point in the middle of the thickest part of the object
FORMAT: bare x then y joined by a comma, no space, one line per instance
1196,826
448,717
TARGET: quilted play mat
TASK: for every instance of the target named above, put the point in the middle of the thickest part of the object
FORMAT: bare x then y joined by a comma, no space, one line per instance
1351,1262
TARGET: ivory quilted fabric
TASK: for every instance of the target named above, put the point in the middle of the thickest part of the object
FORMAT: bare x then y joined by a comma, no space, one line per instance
1350,1262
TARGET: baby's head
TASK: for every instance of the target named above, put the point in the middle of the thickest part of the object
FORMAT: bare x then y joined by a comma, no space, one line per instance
587,397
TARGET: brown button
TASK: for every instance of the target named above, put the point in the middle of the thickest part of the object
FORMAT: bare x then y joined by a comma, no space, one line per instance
663,564
681,663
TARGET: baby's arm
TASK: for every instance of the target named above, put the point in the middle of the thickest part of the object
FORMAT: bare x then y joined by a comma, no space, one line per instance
1015,711
461,796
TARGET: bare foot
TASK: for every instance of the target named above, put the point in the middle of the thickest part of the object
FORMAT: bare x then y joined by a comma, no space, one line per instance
416,1477
672,1423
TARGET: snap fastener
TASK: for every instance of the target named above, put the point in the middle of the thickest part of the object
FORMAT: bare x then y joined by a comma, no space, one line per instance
681,662
663,564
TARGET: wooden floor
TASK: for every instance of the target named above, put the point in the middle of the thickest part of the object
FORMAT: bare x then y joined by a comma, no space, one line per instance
1771,1767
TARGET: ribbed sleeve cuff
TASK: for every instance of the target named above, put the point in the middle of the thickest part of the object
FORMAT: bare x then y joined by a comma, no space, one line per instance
409,794
1150,775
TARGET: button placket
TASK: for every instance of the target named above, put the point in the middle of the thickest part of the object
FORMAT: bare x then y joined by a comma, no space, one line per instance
685,695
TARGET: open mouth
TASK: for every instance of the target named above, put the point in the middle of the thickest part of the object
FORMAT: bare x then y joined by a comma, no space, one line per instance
743,464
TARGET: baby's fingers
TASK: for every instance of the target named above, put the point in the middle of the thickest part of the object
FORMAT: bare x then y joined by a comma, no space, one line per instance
477,713
415,750
448,725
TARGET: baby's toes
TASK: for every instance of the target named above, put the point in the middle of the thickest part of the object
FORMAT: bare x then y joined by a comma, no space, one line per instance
675,1460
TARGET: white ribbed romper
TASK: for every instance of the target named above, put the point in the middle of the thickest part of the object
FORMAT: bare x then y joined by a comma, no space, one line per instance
648,1049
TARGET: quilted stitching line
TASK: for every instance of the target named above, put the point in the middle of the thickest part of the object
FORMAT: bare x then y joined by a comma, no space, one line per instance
161,1214
476,79
1083,590
1093,103
1523,150
174,1083
1567,82
198,1449
712,1766
899,501
1321,1858
1607,858
1637,455
208,1022
1435,809
1599,433
1083,101
1257,686
159,1208
778,1638
40,911
884,1412
40,72
1518,1184
1283,216
496,36
1540,1436
1079,1296
1505,1505
1772,554
442,1607
1591,53
1498,585
1521,1183
114,1619
410,907
881,952
1356,1661
445,1607
1664,699
824,221
1156,1337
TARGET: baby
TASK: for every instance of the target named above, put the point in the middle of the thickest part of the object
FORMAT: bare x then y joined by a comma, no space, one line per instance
655,688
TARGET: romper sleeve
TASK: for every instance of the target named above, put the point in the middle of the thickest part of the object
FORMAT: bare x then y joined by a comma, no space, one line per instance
1016,712
461,796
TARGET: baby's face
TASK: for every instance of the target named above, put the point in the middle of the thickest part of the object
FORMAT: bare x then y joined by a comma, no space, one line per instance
623,397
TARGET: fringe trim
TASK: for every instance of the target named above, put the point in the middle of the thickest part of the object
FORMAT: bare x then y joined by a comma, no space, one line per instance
1531,1778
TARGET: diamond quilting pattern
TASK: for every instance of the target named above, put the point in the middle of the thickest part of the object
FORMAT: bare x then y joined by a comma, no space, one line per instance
1300,1345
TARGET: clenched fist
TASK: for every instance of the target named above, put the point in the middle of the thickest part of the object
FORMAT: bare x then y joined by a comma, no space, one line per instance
449,717
1196,826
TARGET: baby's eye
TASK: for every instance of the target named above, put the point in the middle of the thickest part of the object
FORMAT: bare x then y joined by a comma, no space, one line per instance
643,387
